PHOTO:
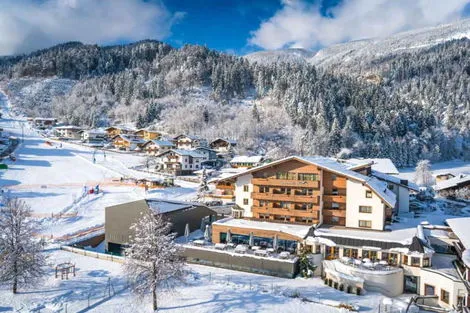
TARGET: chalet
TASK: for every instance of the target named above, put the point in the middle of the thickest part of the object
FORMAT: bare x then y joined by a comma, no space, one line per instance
148,134
223,146
68,132
243,161
93,135
209,154
119,218
450,186
127,142
188,142
44,122
179,162
443,176
155,147
382,165
113,131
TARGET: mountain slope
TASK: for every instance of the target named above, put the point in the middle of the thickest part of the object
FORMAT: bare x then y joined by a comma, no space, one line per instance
287,55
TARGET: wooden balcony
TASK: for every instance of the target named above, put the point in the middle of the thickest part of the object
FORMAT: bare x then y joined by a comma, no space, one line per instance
286,183
284,197
225,187
334,212
334,198
312,213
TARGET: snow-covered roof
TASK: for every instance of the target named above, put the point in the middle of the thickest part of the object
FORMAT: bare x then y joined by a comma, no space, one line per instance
230,141
396,180
402,236
453,182
163,143
191,153
131,139
96,131
166,206
461,228
247,159
382,165
291,229
192,137
341,167
68,127
45,119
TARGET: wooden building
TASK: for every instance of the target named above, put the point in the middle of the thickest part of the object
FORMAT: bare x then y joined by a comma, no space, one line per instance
148,134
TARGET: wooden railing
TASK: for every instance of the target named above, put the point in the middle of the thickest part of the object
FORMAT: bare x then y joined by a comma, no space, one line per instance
285,197
286,183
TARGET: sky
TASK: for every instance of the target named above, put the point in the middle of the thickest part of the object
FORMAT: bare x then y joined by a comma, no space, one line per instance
233,26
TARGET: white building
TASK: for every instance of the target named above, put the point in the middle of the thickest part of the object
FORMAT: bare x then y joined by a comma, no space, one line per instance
68,132
155,147
179,162
93,135
188,142
244,161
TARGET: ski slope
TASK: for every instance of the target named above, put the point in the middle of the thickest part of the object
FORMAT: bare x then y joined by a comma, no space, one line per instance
51,179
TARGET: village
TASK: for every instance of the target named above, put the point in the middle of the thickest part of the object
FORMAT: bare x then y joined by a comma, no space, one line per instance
364,229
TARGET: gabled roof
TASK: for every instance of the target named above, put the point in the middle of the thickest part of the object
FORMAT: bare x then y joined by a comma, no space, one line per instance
416,245
161,143
247,159
382,165
71,127
230,141
130,139
192,137
396,180
461,228
341,168
205,148
191,153
462,179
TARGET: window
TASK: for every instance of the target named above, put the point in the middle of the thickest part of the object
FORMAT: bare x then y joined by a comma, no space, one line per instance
426,262
282,218
429,290
311,177
365,224
264,216
334,219
335,205
263,189
444,296
405,259
415,261
368,194
390,186
245,201
281,175
263,203
333,177
292,176
334,192
365,209
246,188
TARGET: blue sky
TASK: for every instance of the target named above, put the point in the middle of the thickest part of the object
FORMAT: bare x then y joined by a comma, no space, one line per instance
235,26
224,25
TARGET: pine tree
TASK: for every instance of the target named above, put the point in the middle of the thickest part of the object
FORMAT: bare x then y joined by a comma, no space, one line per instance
153,260
203,185
22,262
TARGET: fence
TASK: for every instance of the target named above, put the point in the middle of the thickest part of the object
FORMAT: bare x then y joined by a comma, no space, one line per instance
96,255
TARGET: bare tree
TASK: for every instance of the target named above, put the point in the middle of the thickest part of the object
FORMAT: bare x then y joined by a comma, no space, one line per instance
21,259
423,175
203,186
153,260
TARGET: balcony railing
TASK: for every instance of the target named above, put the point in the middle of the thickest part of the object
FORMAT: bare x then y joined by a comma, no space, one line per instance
284,197
312,213
286,182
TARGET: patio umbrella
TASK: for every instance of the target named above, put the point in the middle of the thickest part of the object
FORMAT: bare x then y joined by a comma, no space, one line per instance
206,234
229,236
186,232
275,243
251,241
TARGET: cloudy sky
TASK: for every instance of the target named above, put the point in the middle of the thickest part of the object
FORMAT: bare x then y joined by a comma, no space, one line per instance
237,26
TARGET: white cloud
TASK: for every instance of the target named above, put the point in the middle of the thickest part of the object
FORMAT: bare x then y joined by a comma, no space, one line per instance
301,25
27,25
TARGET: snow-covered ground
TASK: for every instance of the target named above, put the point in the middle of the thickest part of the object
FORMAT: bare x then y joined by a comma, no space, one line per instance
206,290
51,177
455,167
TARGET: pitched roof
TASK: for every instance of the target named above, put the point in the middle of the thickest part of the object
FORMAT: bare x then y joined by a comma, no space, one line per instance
130,139
247,159
454,182
340,167
382,165
162,143
461,228
230,141
396,180
191,153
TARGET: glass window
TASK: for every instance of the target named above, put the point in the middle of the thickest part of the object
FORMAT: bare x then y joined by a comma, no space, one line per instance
426,262
405,259
292,176
368,194
334,192
281,175
311,177
245,201
415,261
335,205
246,188
263,189
365,209
365,224
444,296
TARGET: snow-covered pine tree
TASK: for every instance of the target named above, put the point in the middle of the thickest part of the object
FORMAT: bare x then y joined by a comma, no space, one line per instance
153,260
423,175
203,186
21,259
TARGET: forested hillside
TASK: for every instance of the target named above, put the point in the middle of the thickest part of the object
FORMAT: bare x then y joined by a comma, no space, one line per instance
406,106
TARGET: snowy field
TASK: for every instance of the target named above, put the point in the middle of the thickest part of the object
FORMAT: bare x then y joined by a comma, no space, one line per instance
455,167
99,286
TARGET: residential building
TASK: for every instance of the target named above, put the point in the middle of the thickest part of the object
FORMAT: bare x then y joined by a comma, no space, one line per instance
209,154
113,131
382,165
188,142
119,218
148,134
155,147
443,176
179,162
223,146
460,228
127,142
93,135
243,161
68,132
450,186
44,122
